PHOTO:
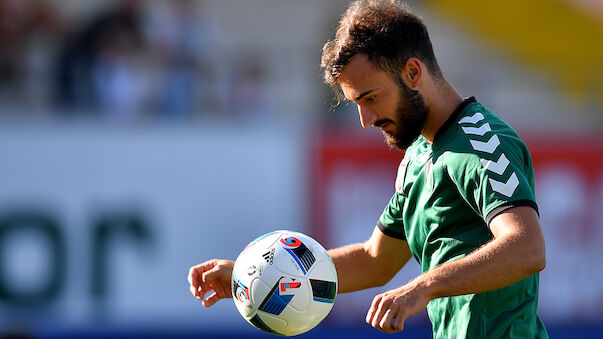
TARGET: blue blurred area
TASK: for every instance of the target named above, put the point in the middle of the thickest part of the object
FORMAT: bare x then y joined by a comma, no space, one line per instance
335,332
320,332
138,138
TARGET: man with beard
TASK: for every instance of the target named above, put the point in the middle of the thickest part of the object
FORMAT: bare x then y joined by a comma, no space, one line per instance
464,205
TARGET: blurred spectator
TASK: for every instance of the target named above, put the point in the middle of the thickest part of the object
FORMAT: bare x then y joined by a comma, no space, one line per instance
29,32
98,67
248,99
117,76
180,39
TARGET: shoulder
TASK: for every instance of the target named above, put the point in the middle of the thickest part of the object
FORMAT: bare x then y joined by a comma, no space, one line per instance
477,139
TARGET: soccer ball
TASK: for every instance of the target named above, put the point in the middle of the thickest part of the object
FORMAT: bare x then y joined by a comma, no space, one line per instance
284,283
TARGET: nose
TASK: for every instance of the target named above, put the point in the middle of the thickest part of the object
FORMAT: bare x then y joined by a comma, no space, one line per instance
367,116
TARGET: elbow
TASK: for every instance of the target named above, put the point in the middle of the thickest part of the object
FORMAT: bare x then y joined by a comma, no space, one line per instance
540,263
537,260
532,253
382,278
540,260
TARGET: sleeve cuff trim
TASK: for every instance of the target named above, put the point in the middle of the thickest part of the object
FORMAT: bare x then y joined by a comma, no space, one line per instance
498,210
390,233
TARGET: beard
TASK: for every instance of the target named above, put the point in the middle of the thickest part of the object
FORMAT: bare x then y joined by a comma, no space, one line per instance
410,119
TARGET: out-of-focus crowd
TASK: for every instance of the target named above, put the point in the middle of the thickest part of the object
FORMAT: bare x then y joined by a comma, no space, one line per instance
126,61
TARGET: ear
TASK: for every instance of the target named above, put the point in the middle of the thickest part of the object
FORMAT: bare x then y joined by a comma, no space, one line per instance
412,73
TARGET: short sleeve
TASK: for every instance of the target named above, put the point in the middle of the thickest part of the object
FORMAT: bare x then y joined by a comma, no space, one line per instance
494,180
390,222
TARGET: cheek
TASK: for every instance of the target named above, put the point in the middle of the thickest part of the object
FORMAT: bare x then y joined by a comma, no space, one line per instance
391,104
394,110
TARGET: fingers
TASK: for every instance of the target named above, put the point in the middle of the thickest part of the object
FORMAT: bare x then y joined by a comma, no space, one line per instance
398,323
219,293
196,293
387,321
371,312
194,274
197,285
212,275
194,281
382,307
212,299
393,320
385,315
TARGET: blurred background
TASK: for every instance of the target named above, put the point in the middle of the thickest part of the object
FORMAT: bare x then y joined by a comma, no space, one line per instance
138,138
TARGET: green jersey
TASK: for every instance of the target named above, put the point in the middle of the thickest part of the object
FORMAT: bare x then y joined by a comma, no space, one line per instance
446,194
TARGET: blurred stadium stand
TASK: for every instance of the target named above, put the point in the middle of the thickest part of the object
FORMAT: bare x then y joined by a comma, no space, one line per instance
138,138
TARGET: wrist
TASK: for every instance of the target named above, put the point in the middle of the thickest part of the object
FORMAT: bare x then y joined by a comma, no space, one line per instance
427,284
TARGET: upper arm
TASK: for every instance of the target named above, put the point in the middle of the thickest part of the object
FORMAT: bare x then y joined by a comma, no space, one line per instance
521,226
389,254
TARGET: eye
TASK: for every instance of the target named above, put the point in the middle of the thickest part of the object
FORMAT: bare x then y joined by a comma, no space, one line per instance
370,99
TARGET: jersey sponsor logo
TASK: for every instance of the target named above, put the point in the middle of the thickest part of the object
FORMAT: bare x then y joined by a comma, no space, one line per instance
487,147
505,188
475,118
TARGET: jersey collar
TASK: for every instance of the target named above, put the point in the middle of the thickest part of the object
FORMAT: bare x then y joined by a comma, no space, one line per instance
459,109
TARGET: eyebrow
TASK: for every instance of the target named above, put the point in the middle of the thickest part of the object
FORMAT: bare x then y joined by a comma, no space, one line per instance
363,94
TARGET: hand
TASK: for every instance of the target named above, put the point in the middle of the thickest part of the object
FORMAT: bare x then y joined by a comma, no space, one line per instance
212,275
390,309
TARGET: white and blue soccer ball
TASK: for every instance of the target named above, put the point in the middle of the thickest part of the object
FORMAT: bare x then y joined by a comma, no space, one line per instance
284,283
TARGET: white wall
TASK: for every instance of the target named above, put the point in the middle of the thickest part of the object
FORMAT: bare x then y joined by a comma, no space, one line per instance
201,194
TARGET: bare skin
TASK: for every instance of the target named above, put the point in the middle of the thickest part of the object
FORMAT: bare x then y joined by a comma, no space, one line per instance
211,279
516,251
375,93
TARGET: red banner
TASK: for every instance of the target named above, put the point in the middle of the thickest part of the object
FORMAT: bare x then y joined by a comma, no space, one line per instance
353,178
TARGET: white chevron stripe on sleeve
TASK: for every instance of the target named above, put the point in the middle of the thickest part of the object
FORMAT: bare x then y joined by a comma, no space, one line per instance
505,188
475,118
488,147
497,167
477,130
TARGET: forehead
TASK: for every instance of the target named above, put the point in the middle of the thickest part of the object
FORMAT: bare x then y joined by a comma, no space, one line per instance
360,75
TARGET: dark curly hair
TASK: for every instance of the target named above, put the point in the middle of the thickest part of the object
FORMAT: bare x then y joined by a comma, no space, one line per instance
387,32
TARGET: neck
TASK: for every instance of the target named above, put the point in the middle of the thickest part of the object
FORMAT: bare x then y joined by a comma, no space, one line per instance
441,100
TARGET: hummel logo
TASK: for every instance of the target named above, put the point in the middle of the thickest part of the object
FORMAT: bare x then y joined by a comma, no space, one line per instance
477,130
488,146
269,256
474,119
505,188
497,167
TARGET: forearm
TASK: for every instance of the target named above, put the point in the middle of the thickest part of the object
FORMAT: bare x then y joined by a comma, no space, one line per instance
369,264
355,269
500,263
516,252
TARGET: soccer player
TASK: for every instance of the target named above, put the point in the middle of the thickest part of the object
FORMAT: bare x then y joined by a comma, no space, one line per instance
464,205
